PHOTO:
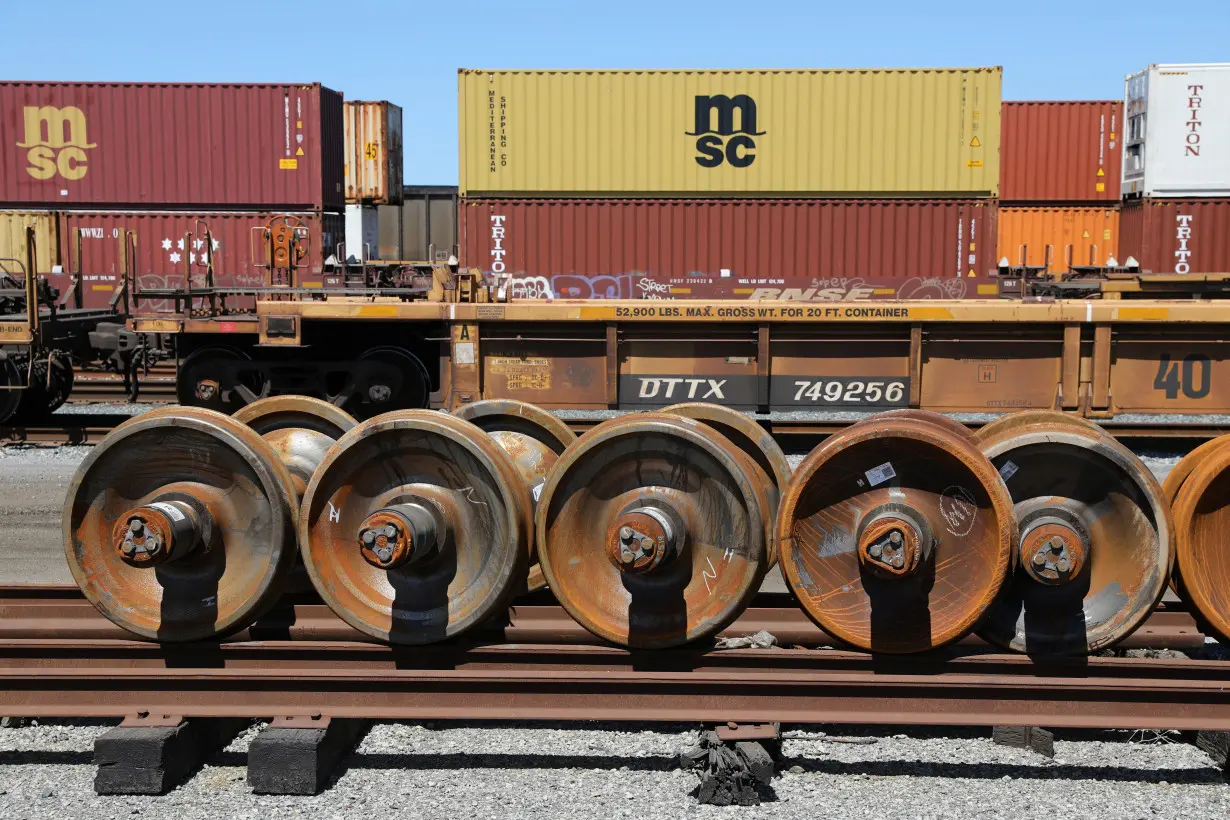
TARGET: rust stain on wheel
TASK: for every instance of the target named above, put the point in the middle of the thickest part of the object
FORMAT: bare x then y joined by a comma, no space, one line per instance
533,438
1174,482
300,429
416,527
1029,418
651,530
939,419
1202,520
180,525
1096,538
896,534
745,434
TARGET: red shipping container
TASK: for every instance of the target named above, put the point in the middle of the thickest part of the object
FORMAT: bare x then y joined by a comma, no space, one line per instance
1061,151
177,145
1176,235
734,248
91,248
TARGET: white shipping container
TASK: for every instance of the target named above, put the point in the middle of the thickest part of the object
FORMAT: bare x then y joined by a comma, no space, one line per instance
362,233
1177,142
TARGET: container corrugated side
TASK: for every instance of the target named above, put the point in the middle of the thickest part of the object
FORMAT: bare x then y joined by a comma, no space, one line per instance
1176,235
869,132
1060,236
1061,151
373,153
429,223
171,145
1178,131
806,249
13,225
162,250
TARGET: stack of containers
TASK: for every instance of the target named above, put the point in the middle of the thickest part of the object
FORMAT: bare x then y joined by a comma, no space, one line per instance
1059,183
763,184
373,172
1176,169
84,163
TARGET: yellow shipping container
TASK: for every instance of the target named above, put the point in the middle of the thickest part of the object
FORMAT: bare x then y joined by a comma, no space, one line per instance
13,226
855,132
1057,237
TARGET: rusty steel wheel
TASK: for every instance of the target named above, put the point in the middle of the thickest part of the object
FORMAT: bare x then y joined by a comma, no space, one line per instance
416,527
1174,482
1028,418
896,535
1096,539
745,434
939,419
180,525
651,530
299,428
1201,516
533,438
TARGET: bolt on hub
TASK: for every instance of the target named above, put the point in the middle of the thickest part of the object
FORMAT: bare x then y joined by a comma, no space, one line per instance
155,533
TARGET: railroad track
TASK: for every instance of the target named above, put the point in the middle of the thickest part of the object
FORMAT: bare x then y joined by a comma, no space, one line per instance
59,658
101,386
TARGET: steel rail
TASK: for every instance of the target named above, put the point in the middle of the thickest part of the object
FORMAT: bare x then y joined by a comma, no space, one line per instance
533,682
60,612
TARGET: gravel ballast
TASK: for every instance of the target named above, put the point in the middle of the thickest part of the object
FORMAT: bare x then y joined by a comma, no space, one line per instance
409,771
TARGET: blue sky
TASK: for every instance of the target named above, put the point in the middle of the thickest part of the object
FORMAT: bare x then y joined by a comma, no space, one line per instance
408,52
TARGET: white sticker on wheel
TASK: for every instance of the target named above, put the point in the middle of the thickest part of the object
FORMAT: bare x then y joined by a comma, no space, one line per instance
878,475
1008,470
169,510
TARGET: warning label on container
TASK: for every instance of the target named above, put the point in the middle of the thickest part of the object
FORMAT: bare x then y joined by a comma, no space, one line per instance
523,374
288,164
974,143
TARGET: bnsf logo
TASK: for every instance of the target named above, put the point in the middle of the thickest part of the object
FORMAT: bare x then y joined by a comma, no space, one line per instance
57,142
725,143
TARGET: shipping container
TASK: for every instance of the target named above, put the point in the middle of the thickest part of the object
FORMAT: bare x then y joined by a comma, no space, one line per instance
1176,235
1178,131
373,153
1061,151
168,243
13,226
388,231
171,145
362,233
1058,237
429,223
801,249
868,132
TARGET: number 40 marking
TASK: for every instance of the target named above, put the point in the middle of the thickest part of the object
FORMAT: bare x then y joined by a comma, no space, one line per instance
1191,377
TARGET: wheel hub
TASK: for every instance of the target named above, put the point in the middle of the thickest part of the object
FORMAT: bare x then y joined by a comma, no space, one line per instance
638,540
399,534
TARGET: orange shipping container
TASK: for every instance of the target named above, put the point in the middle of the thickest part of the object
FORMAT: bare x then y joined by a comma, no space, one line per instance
1058,237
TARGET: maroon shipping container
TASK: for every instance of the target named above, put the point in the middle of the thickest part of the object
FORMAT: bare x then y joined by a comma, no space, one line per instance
162,250
1062,151
734,249
177,145
1176,235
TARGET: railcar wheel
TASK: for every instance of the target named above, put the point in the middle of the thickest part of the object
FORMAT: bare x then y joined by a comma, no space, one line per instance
939,419
61,381
533,438
1201,506
651,530
896,535
1096,538
180,525
300,429
1174,482
748,436
1028,418
416,527
203,380
393,379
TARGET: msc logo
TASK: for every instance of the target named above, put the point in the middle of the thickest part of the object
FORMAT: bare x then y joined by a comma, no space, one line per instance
725,142
57,142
